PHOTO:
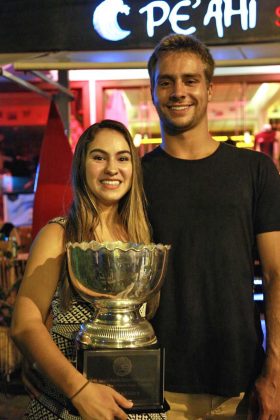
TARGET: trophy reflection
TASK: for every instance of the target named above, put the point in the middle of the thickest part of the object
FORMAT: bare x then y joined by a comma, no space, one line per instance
118,346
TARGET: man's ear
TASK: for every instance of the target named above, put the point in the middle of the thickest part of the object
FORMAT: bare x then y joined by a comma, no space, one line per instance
152,94
210,91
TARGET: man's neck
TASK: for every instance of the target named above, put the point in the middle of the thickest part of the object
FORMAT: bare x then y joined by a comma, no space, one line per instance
188,145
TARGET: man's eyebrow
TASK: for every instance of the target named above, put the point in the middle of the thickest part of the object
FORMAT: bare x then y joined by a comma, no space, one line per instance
172,76
164,76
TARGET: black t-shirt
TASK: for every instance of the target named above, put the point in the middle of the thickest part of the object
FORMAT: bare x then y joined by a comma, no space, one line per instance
210,211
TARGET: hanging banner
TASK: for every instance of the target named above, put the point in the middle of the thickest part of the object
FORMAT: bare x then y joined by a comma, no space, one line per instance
83,25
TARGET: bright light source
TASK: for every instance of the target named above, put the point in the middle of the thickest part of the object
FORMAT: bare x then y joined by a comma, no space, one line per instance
137,140
247,137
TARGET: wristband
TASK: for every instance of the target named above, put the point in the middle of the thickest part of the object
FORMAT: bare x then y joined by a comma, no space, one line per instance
79,390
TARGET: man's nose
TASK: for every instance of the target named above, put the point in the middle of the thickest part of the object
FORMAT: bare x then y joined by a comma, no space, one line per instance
179,90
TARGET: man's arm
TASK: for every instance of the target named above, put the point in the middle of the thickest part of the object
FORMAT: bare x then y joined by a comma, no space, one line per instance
267,386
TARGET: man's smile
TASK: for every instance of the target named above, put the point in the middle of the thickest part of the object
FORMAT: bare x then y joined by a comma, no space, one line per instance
179,107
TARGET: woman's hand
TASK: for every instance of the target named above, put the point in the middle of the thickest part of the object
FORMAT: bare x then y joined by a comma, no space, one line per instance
100,402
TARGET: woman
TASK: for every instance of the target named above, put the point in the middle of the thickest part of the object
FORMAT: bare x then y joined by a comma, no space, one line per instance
107,206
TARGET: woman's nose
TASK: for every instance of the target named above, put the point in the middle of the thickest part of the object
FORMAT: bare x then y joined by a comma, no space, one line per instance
111,167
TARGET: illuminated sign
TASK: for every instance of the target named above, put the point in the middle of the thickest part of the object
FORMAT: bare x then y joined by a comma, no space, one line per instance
105,17
105,20
223,14
53,25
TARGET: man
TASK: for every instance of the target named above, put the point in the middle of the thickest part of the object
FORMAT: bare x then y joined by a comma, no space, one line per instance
215,204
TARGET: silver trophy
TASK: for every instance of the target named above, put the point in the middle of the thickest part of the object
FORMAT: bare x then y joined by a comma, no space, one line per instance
118,346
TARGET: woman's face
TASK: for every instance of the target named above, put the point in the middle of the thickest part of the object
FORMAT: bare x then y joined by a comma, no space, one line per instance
108,167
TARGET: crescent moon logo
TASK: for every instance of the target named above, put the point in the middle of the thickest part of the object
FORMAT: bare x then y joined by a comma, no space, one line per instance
105,20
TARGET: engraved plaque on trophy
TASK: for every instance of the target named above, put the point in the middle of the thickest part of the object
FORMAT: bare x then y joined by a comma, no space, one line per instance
118,346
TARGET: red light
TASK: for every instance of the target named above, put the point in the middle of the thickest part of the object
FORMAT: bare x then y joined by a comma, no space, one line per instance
277,13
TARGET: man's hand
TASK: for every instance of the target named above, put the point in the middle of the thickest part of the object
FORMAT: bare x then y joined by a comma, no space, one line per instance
265,399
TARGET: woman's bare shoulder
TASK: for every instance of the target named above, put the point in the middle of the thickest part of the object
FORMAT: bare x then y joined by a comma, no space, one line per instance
50,241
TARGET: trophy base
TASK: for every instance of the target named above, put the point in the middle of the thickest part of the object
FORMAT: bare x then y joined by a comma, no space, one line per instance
138,374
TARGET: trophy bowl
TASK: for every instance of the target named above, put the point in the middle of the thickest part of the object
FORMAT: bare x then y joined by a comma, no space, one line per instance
116,278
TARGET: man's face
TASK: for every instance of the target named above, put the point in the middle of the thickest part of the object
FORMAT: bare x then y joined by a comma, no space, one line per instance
181,93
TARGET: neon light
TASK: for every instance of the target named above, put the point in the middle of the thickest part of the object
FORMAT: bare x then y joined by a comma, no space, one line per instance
257,281
174,18
220,12
247,12
151,141
242,11
105,20
215,11
277,12
258,296
252,14
36,177
151,23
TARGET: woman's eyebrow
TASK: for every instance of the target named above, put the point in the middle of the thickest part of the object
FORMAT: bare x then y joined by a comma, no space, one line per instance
124,151
98,150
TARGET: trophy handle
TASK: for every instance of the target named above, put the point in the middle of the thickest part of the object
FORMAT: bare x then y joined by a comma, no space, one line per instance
162,273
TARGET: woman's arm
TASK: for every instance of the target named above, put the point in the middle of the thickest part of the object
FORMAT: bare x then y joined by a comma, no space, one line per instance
29,332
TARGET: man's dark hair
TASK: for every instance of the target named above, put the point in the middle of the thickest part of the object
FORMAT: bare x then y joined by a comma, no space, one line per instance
182,43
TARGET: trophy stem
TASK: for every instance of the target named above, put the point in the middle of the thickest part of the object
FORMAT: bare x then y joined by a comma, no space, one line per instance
116,324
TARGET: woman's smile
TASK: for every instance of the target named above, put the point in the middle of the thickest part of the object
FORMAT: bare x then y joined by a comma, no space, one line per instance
110,183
